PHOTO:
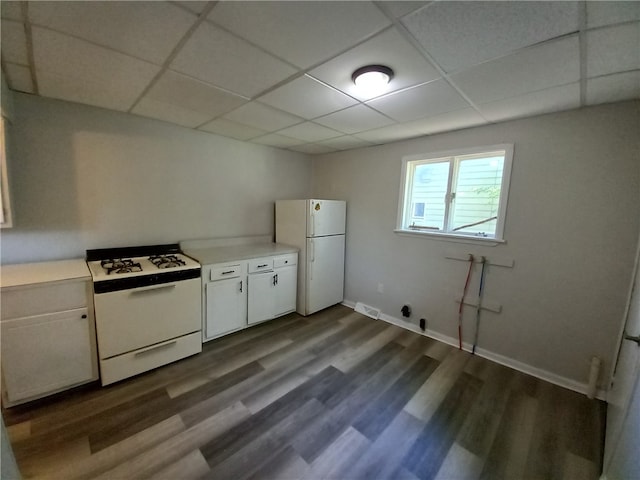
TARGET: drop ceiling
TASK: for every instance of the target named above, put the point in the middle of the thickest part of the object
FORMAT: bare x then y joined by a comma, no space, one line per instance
279,73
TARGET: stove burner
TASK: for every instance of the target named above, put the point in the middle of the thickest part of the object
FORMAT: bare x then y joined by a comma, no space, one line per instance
166,261
120,265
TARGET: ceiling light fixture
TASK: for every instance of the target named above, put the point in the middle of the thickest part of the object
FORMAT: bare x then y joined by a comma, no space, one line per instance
372,79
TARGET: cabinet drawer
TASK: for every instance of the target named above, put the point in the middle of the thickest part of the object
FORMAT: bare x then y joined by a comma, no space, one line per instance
144,359
285,260
38,299
220,272
260,264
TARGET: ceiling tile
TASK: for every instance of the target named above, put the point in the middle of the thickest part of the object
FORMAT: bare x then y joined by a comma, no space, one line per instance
193,6
263,117
608,13
232,129
309,132
457,120
418,102
14,42
88,92
344,143
313,148
74,70
275,140
217,57
146,30
19,77
176,89
11,10
613,88
400,8
613,49
536,68
462,34
307,98
545,101
391,133
388,48
355,119
169,112
302,33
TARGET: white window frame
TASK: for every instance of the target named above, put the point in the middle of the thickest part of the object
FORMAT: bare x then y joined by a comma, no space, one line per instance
6,217
405,205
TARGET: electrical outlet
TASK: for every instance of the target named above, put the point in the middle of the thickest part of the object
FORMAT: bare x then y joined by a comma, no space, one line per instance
380,287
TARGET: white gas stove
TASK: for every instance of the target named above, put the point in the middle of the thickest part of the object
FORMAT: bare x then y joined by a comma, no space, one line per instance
147,308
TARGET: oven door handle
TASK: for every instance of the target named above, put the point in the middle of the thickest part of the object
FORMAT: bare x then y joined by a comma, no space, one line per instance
153,348
152,288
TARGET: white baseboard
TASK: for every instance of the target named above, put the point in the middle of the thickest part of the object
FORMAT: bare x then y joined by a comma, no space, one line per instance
494,357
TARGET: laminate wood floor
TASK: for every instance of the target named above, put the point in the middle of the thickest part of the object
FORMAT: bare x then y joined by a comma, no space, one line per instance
334,395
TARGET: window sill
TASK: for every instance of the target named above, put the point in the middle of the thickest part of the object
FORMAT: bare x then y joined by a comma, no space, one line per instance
451,237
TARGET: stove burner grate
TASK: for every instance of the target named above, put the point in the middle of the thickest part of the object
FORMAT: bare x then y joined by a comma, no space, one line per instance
166,261
120,265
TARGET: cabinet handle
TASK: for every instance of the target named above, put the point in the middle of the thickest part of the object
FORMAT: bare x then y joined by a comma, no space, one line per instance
262,266
275,279
240,286
228,272
84,316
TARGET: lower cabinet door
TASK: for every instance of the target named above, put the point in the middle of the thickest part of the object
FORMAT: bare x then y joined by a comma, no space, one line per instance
46,353
286,285
261,297
226,305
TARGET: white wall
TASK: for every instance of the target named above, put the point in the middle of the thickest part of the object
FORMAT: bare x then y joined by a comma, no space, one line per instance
84,177
572,225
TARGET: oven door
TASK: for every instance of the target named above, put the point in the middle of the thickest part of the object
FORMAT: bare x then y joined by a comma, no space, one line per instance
127,320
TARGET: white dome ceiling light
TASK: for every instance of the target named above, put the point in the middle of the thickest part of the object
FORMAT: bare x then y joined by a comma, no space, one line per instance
372,79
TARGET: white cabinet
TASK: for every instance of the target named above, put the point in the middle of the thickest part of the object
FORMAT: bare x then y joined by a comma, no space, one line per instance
261,297
286,284
225,299
48,338
272,293
45,353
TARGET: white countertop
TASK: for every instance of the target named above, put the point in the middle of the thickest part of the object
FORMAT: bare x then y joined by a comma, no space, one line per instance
211,255
42,272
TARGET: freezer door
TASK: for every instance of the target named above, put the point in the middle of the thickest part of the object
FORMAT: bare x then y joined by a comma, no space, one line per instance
325,272
326,217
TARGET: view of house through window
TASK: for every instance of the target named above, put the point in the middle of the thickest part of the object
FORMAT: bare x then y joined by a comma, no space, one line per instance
458,194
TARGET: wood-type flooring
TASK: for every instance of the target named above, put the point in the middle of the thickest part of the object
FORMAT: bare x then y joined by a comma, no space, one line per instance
334,395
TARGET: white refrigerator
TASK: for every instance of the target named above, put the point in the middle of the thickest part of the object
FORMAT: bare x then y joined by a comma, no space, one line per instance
317,228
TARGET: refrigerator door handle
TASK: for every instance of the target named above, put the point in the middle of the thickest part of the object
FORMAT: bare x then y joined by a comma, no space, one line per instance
313,252
312,225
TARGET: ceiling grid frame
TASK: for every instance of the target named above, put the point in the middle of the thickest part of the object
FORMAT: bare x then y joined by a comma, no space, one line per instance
411,39
549,93
165,66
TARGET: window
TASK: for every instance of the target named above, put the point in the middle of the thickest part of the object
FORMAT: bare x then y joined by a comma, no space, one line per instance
5,206
459,194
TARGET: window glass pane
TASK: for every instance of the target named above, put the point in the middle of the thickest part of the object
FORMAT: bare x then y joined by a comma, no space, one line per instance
418,209
477,195
429,187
